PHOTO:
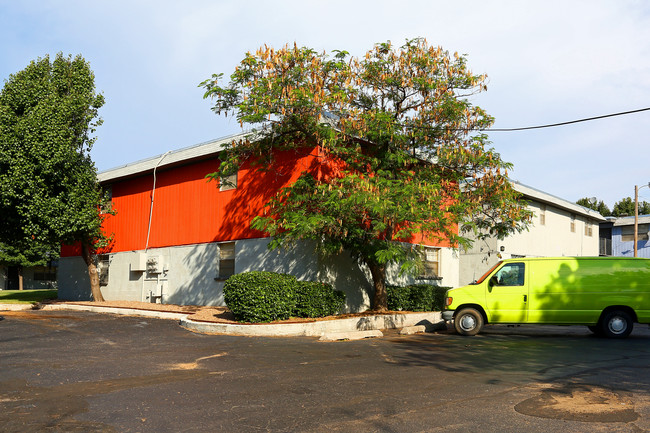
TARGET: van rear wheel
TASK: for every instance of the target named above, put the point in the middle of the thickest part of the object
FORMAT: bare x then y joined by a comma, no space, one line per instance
468,321
616,324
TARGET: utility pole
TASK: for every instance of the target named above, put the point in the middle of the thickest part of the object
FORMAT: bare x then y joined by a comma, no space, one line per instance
636,216
636,219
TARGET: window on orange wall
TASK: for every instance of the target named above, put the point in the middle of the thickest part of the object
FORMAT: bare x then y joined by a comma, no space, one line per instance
227,183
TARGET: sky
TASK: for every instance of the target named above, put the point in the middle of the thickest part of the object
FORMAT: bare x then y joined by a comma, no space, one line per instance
547,62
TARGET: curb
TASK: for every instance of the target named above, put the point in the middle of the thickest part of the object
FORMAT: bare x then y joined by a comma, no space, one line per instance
17,307
114,310
352,328
429,320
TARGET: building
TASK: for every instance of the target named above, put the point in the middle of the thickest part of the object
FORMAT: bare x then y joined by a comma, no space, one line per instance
558,228
617,236
178,237
34,277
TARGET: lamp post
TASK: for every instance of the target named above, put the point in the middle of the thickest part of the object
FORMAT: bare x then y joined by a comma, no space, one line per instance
636,216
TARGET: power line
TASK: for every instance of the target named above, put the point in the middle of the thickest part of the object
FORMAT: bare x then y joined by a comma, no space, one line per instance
565,123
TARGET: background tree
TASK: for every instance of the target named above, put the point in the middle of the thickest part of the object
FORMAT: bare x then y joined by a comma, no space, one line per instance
626,207
398,127
48,185
598,206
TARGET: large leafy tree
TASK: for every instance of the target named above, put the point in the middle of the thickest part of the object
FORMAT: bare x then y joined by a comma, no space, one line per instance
48,185
397,131
625,207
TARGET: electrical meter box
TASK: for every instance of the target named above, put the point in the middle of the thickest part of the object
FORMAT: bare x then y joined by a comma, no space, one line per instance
154,265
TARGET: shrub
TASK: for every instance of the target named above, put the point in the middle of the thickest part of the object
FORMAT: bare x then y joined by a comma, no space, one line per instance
316,299
260,296
416,297
267,296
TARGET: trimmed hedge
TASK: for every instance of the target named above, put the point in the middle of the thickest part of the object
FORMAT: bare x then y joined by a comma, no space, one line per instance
267,296
260,296
416,297
316,299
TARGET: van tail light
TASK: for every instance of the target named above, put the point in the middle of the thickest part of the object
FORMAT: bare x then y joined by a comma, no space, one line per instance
449,301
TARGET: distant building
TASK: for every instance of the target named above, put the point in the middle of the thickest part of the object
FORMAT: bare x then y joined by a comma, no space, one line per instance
34,277
558,228
617,237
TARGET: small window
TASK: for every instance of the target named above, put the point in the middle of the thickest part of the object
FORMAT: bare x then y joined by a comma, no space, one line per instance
573,223
589,230
228,182
226,266
46,275
512,274
103,263
627,233
542,215
431,263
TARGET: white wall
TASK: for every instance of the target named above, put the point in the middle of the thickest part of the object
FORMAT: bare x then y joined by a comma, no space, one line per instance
191,271
552,239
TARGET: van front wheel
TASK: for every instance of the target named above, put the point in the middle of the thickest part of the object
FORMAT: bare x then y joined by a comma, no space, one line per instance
468,321
616,324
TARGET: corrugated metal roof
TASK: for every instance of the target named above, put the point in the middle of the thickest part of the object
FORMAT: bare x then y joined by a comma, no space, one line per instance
174,157
629,220
541,196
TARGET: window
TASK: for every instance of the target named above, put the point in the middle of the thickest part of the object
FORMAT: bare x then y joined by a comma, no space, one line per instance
542,215
226,265
573,223
627,233
431,262
588,229
512,274
228,182
45,275
103,263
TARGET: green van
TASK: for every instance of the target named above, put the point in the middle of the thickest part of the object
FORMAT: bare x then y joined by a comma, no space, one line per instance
608,294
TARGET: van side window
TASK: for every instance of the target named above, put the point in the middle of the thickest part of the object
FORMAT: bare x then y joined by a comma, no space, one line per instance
511,274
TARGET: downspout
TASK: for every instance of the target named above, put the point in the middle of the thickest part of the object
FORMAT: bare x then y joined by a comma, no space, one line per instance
146,246
153,192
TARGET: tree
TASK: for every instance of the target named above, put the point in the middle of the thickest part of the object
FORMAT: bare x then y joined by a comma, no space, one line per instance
49,192
398,133
598,206
625,207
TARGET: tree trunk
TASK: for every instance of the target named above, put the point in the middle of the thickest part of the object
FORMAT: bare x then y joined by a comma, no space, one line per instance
380,300
92,273
21,282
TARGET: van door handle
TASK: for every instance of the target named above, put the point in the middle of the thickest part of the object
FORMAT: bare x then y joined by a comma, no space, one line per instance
525,298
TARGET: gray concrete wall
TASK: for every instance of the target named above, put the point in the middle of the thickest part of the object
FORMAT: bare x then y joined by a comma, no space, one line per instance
189,274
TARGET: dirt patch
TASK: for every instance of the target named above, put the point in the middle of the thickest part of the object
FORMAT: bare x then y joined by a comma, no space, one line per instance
580,403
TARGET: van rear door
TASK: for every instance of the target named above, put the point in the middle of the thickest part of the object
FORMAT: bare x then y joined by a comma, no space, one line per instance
506,294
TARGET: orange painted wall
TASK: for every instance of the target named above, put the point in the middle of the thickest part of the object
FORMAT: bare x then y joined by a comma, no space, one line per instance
188,209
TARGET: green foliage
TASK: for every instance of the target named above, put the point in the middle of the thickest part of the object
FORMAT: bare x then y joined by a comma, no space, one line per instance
625,207
48,186
416,297
316,299
398,145
267,296
598,206
260,296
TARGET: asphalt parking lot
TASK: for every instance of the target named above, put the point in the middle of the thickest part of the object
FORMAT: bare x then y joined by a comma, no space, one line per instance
66,371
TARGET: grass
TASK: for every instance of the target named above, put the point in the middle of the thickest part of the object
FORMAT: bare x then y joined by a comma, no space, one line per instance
26,296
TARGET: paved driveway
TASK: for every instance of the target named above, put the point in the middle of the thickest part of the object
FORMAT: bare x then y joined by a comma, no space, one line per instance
81,372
